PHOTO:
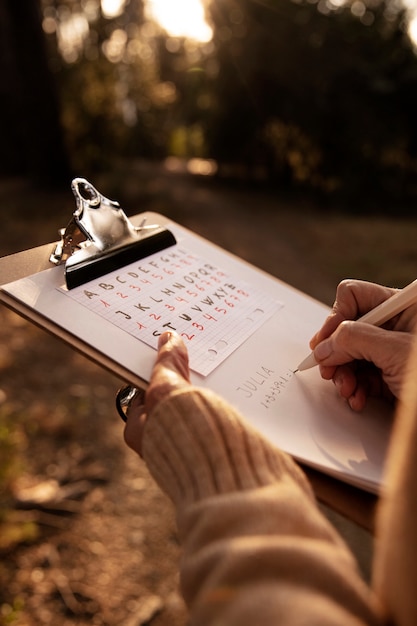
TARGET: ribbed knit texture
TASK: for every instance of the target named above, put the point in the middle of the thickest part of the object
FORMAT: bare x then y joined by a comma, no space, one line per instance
256,549
200,447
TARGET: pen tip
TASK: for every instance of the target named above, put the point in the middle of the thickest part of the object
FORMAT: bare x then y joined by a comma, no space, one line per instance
295,371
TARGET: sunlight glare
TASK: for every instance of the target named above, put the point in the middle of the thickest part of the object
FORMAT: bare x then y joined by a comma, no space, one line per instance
181,18
411,8
412,30
72,33
112,8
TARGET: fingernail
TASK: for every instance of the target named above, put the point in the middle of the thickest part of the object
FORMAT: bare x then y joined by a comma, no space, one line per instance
164,338
338,381
323,351
353,403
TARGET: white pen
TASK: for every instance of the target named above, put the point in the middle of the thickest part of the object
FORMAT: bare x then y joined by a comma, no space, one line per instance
377,316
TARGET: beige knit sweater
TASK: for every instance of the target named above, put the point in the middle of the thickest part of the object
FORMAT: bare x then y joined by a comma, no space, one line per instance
256,549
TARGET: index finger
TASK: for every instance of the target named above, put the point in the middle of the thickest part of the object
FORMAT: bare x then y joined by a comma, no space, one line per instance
353,299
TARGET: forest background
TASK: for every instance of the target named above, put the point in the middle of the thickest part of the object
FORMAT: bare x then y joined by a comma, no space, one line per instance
298,94
289,137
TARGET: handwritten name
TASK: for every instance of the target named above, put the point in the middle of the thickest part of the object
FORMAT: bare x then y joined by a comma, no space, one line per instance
265,384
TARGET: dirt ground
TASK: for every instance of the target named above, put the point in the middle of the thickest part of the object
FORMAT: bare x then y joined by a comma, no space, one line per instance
101,545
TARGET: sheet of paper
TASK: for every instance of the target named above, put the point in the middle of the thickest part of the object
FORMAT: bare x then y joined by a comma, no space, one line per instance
213,311
301,414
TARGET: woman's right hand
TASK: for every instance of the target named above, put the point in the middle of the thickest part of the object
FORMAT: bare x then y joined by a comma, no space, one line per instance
364,360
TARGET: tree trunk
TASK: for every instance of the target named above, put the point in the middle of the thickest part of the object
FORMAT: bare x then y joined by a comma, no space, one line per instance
31,135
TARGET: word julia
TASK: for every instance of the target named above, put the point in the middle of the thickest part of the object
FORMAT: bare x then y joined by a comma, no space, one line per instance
262,379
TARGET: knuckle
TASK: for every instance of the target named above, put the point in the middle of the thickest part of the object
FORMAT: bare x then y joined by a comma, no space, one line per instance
346,286
345,293
344,333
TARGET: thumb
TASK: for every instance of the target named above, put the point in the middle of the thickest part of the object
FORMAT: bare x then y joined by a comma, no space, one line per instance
170,373
171,370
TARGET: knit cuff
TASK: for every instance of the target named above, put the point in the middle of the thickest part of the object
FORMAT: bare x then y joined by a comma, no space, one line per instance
196,445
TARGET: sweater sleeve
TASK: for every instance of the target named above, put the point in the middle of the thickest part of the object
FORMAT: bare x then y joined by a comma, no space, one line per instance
395,562
256,549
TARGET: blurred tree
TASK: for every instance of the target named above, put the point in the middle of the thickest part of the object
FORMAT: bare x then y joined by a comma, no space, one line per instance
302,92
312,92
107,68
30,126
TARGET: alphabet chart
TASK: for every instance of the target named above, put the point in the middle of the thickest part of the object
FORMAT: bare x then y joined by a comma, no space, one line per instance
176,290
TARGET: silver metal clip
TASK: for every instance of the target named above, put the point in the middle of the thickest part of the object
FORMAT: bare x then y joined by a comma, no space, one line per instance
100,237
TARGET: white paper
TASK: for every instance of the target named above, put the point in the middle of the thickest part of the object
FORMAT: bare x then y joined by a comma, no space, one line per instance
213,311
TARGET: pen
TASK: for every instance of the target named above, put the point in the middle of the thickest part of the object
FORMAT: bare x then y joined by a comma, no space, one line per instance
377,316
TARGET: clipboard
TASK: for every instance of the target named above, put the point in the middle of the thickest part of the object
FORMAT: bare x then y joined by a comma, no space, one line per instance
301,414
